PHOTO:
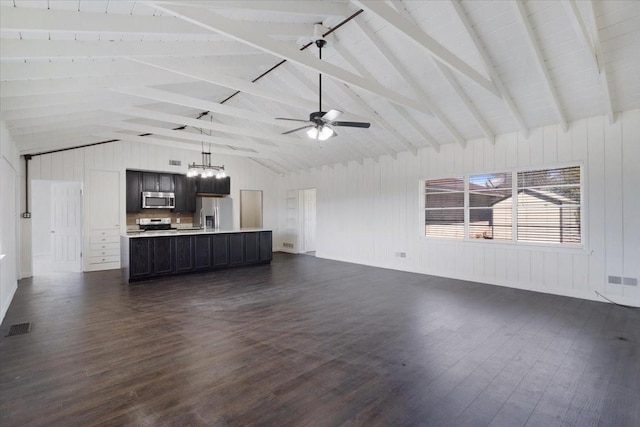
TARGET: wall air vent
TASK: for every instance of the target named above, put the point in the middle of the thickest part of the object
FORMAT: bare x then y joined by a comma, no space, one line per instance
627,281
175,162
288,245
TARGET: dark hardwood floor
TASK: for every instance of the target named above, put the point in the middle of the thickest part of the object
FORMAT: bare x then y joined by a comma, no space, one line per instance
306,341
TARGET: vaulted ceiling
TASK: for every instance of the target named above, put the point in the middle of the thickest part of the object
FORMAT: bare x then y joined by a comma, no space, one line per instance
218,73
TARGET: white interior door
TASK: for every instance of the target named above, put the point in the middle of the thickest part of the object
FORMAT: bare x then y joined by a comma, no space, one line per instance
66,226
309,220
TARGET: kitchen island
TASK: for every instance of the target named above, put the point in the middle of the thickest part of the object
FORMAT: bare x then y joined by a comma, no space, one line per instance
147,255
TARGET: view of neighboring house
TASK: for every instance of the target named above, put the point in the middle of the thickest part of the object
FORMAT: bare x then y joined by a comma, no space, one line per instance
547,206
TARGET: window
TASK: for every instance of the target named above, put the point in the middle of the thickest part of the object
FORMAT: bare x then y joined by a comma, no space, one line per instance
546,207
549,205
444,207
490,213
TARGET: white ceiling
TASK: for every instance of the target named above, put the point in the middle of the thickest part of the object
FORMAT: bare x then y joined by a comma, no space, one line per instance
424,73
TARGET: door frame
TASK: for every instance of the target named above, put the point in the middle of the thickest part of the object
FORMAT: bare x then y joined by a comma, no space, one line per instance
302,219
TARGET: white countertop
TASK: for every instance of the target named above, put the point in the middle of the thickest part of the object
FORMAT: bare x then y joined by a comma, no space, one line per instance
187,232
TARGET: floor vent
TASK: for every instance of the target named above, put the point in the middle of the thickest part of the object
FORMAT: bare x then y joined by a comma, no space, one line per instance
19,329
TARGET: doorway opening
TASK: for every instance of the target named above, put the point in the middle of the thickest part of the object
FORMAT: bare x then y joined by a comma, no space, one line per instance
250,208
56,238
307,208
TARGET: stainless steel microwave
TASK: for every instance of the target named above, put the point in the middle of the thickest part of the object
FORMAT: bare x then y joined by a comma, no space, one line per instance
155,200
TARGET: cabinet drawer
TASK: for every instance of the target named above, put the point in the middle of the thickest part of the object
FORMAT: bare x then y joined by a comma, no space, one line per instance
105,232
104,239
103,259
103,252
104,245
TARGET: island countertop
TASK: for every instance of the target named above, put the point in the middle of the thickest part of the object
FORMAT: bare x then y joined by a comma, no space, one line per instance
189,231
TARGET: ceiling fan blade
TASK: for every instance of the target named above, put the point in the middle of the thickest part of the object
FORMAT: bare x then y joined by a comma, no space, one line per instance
291,120
352,124
331,115
297,129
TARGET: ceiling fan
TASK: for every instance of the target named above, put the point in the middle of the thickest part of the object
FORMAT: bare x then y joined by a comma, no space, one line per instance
320,123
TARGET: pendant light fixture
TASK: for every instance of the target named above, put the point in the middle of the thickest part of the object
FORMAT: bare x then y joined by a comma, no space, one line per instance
206,169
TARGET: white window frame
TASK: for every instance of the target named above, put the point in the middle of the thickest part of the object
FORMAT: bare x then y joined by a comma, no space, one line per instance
571,247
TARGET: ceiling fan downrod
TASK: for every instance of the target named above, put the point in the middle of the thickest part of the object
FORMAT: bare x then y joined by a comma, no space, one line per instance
320,43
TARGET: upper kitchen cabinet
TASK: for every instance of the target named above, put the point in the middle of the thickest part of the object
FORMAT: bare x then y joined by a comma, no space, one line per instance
214,185
185,189
163,182
134,189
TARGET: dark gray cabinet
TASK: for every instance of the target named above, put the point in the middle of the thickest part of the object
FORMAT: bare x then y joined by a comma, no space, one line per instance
185,254
203,251
251,247
236,249
185,189
266,246
153,181
220,246
167,255
140,259
134,190
164,255
214,185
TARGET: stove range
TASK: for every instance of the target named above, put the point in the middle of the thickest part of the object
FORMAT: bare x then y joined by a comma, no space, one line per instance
155,224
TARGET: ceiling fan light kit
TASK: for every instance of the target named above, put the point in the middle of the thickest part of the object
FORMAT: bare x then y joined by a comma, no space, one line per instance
321,133
320,122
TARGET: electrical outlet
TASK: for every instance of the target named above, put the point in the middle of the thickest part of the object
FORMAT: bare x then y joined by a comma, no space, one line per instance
401,254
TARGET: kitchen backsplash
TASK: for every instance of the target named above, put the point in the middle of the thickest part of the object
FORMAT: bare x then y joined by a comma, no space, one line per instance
185,218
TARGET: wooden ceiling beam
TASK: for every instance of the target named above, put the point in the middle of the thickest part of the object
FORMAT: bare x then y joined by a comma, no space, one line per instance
188,101
63,86
539,62
26,49
486,60
247,34
26,20
298,7
404,73
425,42
446,74
206,74
206,124
590,40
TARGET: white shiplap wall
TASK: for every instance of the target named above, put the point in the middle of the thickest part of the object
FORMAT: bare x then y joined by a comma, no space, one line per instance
367,212
9,213
73,165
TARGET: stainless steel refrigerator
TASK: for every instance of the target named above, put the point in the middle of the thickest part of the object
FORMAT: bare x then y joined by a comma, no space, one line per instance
214,213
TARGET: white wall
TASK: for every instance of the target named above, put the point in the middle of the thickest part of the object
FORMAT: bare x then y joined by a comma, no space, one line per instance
73,165
40,206
9,206
368,212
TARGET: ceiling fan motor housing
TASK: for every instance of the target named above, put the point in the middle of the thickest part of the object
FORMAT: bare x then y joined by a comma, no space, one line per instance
316,117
